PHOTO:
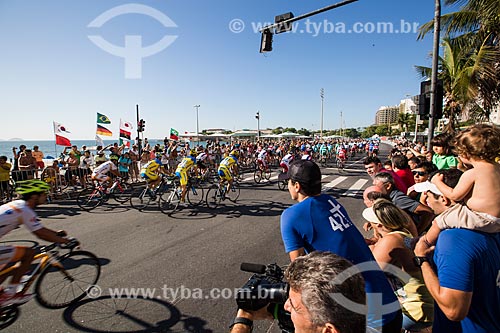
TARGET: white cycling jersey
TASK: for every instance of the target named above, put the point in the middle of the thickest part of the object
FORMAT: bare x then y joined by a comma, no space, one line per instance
105,168
262,155
201,157
15,213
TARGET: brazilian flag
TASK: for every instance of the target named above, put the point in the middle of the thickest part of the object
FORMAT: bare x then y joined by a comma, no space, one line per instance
102,119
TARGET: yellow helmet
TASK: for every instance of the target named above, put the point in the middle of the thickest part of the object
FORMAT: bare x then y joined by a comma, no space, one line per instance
31,186
235,153
193,153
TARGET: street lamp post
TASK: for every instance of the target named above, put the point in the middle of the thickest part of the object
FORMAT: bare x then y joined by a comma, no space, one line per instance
197,126
434,75
258,125
322,95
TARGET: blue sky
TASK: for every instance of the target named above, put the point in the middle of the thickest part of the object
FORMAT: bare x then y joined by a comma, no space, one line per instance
51,71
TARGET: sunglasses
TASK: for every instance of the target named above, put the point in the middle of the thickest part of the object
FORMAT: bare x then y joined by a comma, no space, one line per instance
420,173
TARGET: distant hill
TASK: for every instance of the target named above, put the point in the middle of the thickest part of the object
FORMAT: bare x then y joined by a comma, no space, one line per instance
15,139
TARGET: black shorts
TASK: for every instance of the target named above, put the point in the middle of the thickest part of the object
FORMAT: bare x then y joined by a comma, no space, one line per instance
4,185
201,165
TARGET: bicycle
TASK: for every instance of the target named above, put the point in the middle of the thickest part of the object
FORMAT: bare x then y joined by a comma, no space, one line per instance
143,198
218,193
60,279
340,162
261,173
91,197
282,184
169,200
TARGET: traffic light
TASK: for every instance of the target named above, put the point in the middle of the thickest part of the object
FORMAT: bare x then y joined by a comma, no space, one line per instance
266,41
424,102
257,116
140,125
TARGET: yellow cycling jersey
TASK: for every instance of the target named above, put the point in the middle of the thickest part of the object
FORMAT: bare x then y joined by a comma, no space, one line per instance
227,162
186,164
150,166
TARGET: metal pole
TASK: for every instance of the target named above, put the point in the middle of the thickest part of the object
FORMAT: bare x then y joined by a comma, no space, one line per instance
417,119
138,132
197,126
315,12
322,94
434,76
341,124
258,125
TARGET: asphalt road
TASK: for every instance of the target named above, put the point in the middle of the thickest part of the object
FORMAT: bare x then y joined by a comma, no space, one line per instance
189,261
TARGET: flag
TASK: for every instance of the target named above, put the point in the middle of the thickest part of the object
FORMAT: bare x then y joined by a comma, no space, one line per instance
124,142
124,134
98,141
125,125
174,135
125,130
103,131
102,119
61,139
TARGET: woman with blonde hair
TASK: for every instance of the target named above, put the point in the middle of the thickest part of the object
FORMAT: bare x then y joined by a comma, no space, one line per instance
392,225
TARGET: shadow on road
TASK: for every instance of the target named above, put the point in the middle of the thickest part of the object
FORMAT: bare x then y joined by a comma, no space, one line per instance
130,315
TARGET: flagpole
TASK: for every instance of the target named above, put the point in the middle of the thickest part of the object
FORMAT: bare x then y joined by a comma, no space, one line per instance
55,140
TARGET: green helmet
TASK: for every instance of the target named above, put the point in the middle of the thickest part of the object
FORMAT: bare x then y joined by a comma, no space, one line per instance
31,186
114,157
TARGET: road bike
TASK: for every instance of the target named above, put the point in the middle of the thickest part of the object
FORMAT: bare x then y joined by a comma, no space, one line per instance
261,173
218,193
61,279
340,162
91,197
142,197
282,184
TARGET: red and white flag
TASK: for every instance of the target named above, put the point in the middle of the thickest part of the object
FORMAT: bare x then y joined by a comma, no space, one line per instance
125,125
60,133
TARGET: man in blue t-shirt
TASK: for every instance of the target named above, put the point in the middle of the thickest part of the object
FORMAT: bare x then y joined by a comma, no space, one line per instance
465,282
319,222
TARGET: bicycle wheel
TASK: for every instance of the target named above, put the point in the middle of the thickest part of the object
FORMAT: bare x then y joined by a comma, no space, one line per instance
257,176
195,195
169,201
282,185
67,281
213,197
8,315
141,198
267,174
90,198
234,193
123,193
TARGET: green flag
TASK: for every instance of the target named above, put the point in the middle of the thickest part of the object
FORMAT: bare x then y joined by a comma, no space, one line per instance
174,135
102,119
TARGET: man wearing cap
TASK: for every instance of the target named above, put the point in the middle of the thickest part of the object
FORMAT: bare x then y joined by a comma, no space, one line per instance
319,222
465,278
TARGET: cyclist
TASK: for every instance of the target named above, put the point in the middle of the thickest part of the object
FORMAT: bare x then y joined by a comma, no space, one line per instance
101,172
151,173
262,158
228,167
202,160
33,193
182,171
341,156
285,161
307,153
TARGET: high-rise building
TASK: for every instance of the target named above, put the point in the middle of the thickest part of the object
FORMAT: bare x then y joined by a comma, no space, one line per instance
387,115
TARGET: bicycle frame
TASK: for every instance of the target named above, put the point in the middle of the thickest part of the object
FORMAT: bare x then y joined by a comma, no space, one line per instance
46,257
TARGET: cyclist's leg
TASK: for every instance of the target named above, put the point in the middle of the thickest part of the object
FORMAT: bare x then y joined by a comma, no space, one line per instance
14,254
183,181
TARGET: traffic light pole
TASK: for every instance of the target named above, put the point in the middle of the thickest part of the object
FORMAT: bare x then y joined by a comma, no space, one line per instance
303,16
138,131
434,75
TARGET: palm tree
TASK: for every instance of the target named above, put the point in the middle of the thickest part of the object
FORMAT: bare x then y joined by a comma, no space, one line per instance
462,71
404,121
476,25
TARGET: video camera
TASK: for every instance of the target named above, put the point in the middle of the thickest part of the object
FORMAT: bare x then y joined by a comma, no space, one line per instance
266,287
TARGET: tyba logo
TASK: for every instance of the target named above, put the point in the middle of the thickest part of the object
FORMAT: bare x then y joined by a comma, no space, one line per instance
132,52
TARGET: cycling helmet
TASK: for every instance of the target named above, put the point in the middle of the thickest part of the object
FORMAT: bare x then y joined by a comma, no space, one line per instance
193,153
113,157
235,153
158,155
32,186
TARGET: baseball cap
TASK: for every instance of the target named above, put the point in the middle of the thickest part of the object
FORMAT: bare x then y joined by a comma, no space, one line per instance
303,171
370,216
427,186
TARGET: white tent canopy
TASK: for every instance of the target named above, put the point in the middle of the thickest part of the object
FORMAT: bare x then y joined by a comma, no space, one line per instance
289,135
244,134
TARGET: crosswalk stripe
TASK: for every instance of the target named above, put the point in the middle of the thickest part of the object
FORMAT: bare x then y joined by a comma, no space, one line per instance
334,183
354,189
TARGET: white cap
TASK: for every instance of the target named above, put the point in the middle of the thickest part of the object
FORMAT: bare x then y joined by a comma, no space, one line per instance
370,216
427,186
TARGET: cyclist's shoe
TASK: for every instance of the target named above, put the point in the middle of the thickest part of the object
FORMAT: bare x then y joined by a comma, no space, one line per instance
17,298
